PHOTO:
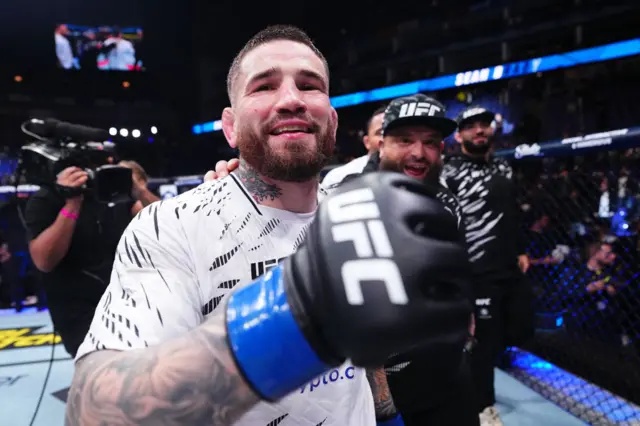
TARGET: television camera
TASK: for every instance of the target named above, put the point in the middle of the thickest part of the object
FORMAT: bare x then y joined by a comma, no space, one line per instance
59,145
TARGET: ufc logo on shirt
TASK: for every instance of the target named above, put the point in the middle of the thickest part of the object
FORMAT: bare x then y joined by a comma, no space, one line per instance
356,218
418,109
258,269
483,302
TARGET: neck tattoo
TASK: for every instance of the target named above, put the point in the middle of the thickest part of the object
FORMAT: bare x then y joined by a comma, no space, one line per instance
259,189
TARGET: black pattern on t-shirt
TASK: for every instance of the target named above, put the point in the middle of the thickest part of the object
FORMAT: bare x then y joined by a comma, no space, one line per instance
124,296
156,226
228,284
146,297
277,421
269,227
221,202
226,226
300,238
160,317
222,260
140,257
244,223
109,319
212,304
473,183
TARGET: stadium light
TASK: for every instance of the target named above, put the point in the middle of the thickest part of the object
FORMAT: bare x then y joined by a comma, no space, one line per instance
154,130
124,133
113,131
135,133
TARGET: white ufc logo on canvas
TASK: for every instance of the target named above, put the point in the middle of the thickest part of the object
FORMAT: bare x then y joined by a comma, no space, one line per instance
418,109
356,218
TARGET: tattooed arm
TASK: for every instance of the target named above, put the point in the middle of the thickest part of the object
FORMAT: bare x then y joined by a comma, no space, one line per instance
191,380
383,402
150,357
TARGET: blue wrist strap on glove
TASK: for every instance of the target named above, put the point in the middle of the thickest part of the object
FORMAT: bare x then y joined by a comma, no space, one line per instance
396,421
266,341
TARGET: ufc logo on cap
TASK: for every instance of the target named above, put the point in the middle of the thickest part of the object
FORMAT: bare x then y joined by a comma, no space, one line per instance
356,218
416,109
472,112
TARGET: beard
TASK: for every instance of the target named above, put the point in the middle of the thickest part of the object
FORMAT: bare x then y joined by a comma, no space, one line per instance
477,149
298,163
433,172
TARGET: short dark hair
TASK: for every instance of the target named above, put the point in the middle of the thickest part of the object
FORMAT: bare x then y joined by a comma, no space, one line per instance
380,110
271,33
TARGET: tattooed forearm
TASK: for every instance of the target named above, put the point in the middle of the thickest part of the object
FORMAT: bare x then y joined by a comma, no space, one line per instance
382,399
191,380
259,189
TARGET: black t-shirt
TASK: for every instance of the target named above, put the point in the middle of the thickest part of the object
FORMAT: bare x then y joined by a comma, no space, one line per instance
490,213
77,283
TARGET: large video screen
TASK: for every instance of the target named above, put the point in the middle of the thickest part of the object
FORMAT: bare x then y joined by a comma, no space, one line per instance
104,48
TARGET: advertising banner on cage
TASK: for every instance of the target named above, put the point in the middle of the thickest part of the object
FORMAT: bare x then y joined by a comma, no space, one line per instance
613,140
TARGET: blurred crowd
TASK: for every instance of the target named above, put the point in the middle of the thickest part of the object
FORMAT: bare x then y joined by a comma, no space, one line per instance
582,218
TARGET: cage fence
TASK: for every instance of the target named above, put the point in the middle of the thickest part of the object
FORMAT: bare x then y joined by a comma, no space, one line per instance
581,214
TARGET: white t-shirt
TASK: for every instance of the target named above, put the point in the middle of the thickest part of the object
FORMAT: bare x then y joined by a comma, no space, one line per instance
63,51
122,56
177,261
335,176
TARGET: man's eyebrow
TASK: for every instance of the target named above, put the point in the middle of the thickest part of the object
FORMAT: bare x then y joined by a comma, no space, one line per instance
312,74
273,71
263,74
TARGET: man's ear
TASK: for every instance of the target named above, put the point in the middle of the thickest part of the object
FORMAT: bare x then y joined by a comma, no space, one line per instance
365,141
381,147
457,137
228,126
334,121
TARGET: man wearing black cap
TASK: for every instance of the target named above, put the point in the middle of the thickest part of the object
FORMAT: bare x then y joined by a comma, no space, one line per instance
414,128
503,310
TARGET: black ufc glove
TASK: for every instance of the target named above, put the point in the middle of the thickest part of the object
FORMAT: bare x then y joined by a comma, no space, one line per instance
381,272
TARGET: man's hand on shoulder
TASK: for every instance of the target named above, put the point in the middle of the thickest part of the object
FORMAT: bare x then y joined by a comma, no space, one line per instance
223,168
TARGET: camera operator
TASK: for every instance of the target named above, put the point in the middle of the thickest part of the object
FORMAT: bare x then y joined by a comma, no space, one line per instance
73,240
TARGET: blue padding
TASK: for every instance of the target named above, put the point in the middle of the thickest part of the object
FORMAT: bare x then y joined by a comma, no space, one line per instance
266,341
396,421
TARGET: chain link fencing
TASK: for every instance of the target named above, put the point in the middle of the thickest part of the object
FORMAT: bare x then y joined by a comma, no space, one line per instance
582,217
